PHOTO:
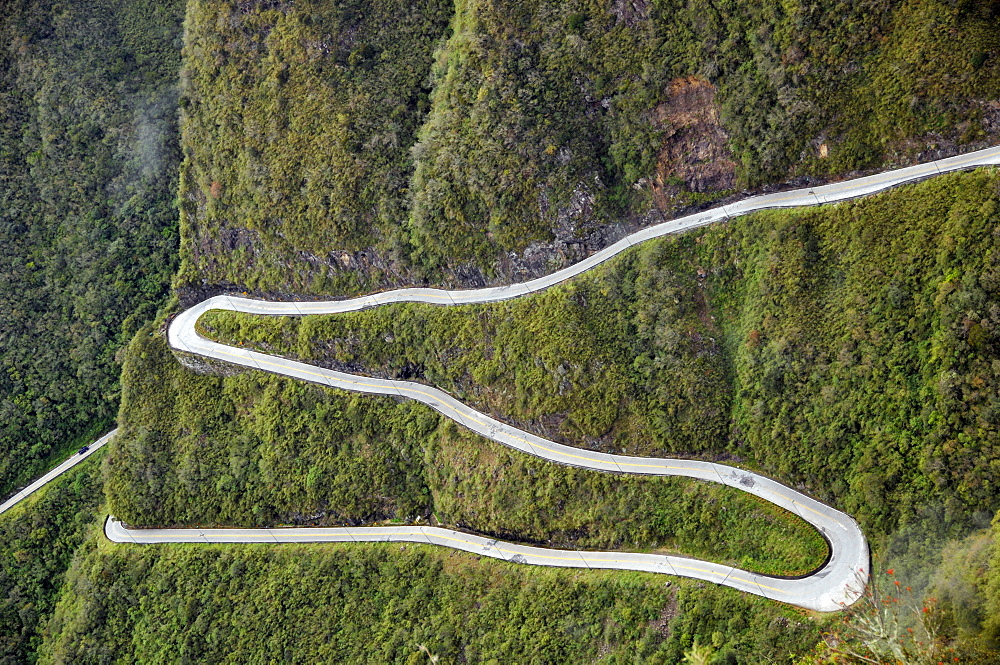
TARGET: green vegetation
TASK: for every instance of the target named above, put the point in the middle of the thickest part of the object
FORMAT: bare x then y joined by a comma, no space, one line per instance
953,618
334,148
376,603
851,348
863,337
875,81
37,541
626,358
967,587
88,230
255,449
298,120
326,154
867,343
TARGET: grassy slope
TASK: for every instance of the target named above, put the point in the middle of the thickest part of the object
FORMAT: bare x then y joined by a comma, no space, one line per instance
88,164
258,450
852,348
341,603
626,358
443,150
375,603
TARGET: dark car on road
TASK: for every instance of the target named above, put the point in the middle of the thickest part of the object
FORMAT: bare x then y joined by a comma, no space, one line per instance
83,450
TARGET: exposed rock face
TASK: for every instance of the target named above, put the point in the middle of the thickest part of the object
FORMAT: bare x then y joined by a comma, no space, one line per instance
630,12
695,155
210,366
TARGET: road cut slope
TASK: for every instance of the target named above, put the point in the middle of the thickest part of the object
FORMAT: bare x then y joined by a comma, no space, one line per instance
837,584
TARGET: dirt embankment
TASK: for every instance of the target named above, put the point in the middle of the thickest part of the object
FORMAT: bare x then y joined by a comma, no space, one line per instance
695,155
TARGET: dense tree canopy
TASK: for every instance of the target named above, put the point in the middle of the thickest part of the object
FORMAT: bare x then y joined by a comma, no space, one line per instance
854,348
88,230
332,148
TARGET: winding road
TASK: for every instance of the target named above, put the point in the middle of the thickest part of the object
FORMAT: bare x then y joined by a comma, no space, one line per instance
836,585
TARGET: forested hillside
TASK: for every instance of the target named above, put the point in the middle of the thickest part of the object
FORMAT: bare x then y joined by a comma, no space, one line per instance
853,348
258,450
38,540
314,149
490,140
850,349
88,229
379,603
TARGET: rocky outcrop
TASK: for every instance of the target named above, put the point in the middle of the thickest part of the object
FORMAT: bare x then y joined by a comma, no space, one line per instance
695,154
